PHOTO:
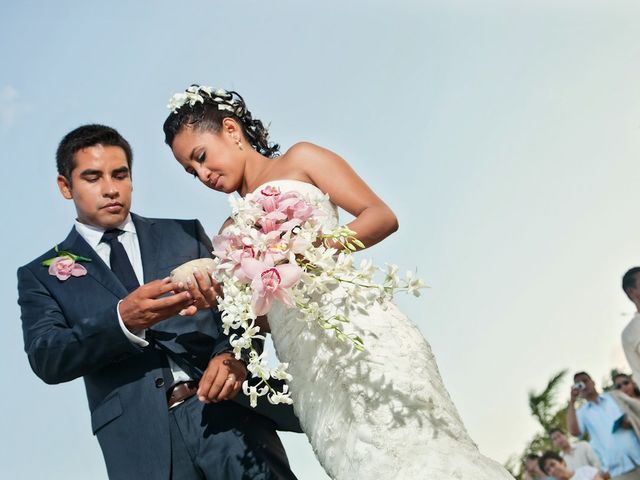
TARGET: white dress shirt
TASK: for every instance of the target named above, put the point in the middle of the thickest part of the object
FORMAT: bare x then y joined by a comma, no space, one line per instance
129,239
586,472
581,454
631,345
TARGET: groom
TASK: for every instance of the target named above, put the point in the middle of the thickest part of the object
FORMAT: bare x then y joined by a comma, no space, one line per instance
157,369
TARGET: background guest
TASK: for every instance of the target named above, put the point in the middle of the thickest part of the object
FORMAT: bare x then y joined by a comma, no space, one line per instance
631,333
612,436
625,384
553,464
532,468
575,454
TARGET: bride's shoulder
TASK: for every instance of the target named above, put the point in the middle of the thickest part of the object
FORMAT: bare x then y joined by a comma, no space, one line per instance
303,150
307,153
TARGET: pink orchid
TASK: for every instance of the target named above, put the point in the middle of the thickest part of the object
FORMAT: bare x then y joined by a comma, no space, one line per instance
225,245
237,258
269,198
294,206
286,248
231,250
270,191
289,225
275,252
65,267
270,221
269,283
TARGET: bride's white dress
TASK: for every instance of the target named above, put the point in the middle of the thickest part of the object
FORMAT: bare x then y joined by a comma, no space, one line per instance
383,413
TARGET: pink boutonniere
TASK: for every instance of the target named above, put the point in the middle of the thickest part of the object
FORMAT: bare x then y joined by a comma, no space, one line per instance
66,265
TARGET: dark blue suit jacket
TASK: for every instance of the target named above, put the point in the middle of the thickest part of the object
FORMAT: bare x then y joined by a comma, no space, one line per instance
71,329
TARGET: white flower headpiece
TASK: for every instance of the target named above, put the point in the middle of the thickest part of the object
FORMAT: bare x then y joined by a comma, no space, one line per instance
195,94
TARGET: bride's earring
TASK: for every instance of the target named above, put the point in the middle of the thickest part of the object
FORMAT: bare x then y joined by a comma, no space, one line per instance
238,143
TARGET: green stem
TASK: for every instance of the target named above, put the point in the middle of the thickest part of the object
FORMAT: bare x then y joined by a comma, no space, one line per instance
357,342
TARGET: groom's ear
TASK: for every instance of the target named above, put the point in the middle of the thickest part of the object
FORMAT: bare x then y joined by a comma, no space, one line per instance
65,187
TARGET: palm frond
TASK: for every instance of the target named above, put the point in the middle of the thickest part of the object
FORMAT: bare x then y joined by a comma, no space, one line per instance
542,404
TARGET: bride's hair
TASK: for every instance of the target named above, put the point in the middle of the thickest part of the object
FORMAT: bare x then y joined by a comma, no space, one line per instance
205,108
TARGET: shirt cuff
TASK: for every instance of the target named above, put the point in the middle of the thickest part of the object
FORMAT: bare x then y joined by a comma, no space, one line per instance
138,337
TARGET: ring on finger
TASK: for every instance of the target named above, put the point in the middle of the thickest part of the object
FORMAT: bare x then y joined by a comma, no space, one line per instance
231,378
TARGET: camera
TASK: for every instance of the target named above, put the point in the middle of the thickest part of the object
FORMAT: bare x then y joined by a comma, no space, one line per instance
579,386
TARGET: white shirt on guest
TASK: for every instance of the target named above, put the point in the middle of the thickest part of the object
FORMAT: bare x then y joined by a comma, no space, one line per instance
581,454
585,473
631,345
129,239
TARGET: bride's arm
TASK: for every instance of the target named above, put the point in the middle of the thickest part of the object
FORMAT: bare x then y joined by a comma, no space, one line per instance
332,174
227,222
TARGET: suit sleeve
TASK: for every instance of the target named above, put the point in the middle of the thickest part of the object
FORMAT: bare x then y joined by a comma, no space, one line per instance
59,352
205,248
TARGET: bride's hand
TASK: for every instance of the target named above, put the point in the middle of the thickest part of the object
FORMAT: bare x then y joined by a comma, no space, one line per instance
204,294
222,379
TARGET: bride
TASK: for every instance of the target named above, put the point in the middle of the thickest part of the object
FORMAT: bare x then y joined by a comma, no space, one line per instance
376,414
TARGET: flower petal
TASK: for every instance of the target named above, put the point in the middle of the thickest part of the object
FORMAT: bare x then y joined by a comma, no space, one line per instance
289,274
252,267
284,297
78,270
261,304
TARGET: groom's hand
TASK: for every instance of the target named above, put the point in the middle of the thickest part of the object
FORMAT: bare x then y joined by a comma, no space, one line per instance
222,379
146,305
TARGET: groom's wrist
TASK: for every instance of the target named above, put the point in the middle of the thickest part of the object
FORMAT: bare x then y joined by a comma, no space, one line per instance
137,337
244,356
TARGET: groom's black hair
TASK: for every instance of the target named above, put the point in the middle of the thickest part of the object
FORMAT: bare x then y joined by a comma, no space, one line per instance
629,279
88,136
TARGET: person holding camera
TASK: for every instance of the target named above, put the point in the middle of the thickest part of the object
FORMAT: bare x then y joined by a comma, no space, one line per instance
610,424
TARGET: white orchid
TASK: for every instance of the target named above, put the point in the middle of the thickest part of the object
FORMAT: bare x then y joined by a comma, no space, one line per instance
280,372
253,393
258,366
225,106
414,284
194,94
176,101
281,397
180,99
239,343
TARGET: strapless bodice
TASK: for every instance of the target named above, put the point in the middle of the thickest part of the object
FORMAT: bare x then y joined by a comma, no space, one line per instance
320,199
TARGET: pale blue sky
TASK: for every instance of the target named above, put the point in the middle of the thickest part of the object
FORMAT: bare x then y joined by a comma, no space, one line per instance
505,135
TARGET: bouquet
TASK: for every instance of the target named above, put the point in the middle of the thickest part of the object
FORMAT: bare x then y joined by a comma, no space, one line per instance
281,248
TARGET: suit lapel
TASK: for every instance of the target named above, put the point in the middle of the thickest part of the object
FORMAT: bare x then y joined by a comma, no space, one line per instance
99,270
148,240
